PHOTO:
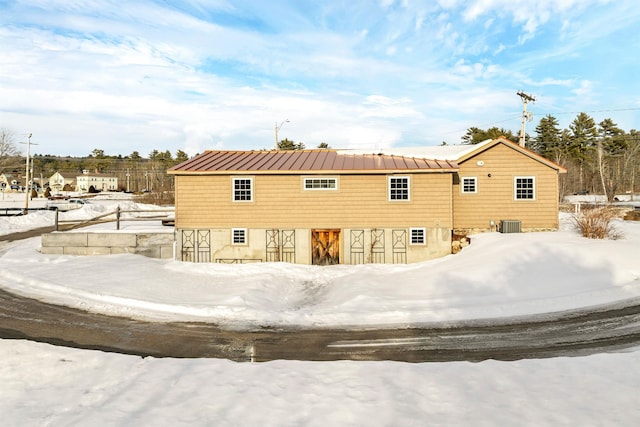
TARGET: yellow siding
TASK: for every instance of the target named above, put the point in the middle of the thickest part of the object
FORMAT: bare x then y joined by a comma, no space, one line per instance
495,199
204,201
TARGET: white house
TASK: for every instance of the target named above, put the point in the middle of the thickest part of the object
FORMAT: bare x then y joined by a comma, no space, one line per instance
57,181
96,181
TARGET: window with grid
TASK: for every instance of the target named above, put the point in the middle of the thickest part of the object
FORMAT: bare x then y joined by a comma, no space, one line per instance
525,188
320,183
470,184
242,189
239,236
418,236
398,188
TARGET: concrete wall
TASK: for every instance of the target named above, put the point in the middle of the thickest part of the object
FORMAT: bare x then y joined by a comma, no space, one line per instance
153,245
215,245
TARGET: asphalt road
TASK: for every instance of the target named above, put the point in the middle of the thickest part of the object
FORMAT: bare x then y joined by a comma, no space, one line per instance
570,333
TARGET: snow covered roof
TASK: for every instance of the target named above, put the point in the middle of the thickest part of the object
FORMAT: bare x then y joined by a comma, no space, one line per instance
438,152
459,153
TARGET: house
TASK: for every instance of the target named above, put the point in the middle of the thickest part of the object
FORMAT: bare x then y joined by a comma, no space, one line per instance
58,181
10,182
88,182
349,207
499,182
5,181
312,207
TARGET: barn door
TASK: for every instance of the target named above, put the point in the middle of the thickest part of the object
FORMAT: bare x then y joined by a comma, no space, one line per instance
325,247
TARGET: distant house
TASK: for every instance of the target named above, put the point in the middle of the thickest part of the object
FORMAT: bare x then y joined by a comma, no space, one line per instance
498,180
88,182
5,181
312,207
10,182
58,181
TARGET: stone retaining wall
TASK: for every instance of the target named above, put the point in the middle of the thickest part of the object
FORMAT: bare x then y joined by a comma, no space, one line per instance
153,245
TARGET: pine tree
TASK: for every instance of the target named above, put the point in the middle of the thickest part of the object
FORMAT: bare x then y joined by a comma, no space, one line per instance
547,141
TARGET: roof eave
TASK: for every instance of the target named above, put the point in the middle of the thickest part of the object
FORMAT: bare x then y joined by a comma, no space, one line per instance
316,172
485,145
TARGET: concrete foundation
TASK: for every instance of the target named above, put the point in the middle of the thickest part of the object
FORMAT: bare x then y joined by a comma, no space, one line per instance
152,245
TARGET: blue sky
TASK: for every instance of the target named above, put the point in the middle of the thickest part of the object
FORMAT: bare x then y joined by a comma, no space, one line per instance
196,75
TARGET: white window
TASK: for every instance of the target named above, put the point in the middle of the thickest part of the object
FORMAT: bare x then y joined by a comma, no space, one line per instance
524,188
418,236
469,184
320,183
398,188
239,236
242,189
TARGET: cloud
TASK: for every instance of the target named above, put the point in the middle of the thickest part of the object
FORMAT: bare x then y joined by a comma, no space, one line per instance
195,74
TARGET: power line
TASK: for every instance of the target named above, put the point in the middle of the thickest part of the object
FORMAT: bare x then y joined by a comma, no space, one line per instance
597,111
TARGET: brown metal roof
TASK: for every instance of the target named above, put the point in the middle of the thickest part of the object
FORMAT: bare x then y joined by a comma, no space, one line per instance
295,161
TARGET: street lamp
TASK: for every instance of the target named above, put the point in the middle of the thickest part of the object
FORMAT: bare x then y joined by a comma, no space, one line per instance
277,129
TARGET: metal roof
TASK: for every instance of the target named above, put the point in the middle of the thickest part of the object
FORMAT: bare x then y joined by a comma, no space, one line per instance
296,161
461,153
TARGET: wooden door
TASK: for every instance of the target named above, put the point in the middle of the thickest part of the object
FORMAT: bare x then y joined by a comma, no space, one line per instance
325,247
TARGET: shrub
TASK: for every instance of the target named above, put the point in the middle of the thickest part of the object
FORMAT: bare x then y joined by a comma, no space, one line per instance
595,223
161,198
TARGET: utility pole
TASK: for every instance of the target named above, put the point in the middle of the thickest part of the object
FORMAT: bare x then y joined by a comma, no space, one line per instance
526,117
27,184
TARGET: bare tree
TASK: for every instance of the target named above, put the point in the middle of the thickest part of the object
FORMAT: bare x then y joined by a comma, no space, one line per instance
8,150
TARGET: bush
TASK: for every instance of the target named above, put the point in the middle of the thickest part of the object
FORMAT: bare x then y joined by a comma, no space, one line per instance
162,198
595,223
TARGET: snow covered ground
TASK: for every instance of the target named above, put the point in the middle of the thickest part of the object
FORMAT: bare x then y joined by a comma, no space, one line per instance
498,275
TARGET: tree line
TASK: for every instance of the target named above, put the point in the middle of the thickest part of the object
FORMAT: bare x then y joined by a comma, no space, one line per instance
599,157
135,173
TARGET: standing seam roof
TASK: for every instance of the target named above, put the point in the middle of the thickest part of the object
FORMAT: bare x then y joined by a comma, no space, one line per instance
305,160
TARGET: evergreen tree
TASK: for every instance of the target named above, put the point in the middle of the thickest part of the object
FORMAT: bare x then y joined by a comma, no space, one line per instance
476,135
613,138
581,144
286,144
181,156
547,141
583,136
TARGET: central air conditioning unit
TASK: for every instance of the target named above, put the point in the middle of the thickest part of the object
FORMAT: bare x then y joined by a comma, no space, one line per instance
510,226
